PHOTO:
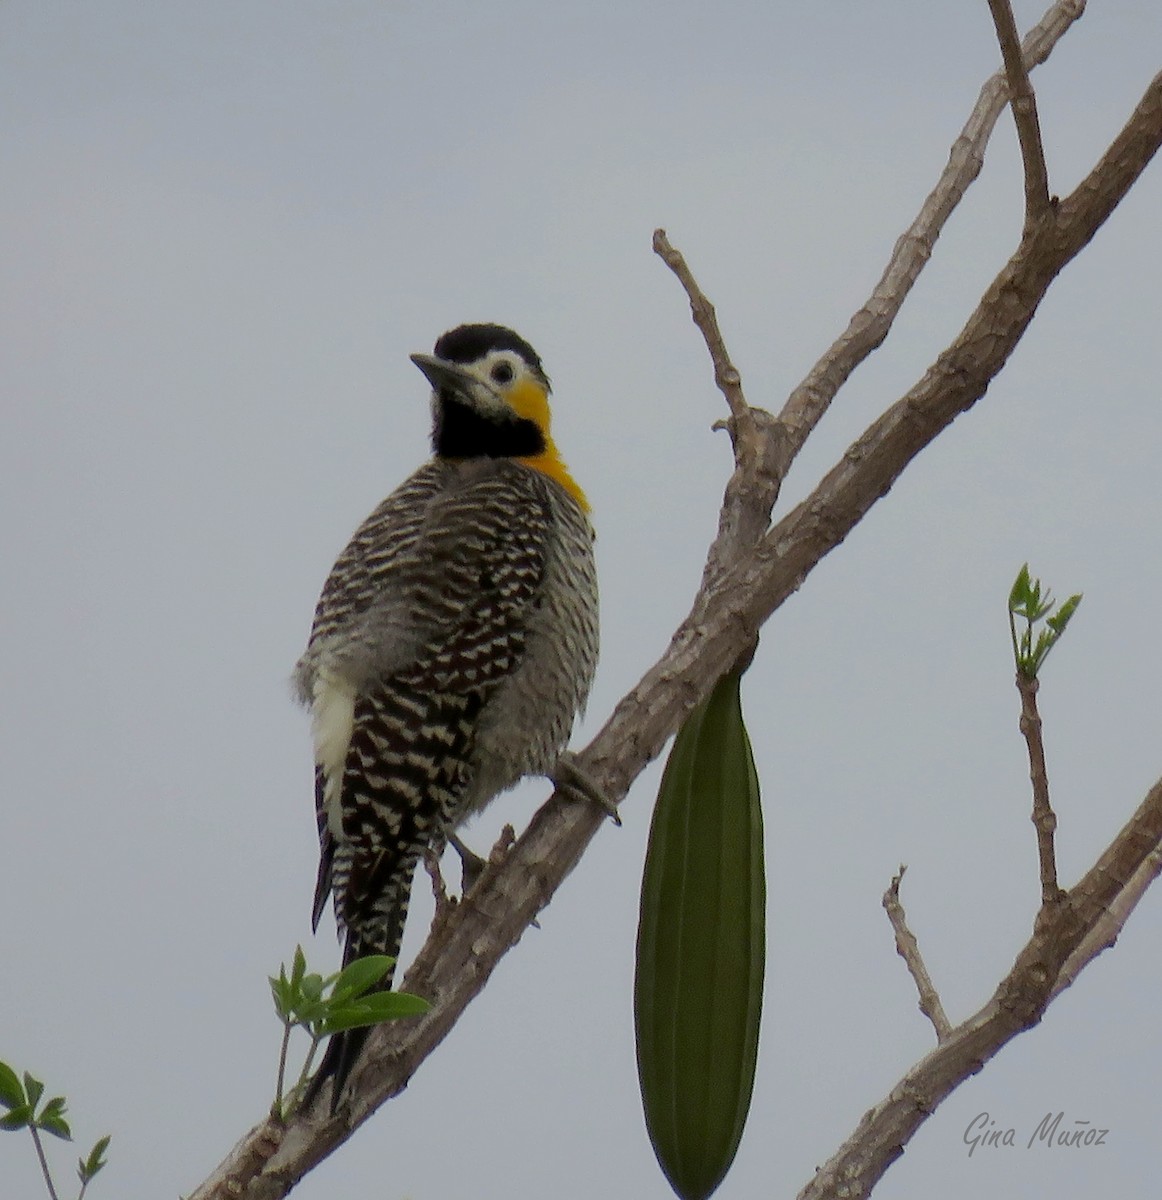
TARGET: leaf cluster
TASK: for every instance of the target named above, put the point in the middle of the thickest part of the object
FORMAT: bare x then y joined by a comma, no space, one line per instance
323,1005
21,1097
1029,603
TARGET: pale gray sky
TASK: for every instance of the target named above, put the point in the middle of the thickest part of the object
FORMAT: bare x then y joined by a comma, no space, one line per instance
224,227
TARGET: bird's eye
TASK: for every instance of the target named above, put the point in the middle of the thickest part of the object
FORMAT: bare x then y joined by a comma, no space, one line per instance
502,373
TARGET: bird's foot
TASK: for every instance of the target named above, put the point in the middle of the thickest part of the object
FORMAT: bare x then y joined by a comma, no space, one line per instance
471,864
569,777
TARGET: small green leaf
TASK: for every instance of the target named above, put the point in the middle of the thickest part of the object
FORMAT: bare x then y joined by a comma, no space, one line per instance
88,1167
298,966
284,997
11,1092
311,987
33,1089
1060,619
1020,589
309,1012
18,1116
56,1125
52,1118
360,976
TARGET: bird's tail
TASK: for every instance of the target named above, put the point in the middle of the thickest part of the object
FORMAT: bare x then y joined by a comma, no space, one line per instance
344,1048
339,1058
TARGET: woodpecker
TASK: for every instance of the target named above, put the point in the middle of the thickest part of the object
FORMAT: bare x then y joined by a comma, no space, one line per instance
453,645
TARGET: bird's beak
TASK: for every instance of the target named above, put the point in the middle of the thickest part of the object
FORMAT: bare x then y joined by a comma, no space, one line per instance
444,374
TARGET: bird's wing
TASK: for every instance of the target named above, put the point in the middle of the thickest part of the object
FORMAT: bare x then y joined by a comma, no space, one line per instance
422,618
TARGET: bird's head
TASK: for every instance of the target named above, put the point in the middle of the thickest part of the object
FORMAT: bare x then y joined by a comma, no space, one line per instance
490,394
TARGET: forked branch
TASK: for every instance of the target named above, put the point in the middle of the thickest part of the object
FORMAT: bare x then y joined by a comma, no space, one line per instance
1017,1004
756,436
869,326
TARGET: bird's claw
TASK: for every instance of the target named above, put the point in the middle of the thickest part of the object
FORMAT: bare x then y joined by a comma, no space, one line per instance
471,864
568,776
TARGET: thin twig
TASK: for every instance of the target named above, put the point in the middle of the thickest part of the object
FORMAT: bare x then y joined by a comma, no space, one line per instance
281,1081
43,1161
300,1084
726,375
1044,818
1023,102
909,950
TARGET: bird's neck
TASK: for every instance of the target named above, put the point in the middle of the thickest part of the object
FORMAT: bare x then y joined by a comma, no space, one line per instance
549,462
461,432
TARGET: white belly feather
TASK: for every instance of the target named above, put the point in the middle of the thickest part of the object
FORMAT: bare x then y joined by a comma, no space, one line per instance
332,723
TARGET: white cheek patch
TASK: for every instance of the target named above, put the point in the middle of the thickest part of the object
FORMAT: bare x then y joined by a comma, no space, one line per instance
332,723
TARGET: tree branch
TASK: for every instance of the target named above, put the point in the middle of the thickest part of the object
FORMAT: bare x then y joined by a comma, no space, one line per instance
909,950
1104,933
870,325
1038,975
962,372
725,373
762,465
1044,819
1024,105
461,954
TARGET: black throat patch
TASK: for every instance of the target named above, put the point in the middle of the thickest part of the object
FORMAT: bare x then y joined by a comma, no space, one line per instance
461,432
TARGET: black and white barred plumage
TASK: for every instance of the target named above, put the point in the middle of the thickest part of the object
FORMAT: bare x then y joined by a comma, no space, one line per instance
453,644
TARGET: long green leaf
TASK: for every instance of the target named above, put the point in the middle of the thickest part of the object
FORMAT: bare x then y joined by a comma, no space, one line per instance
371,1010
701,947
